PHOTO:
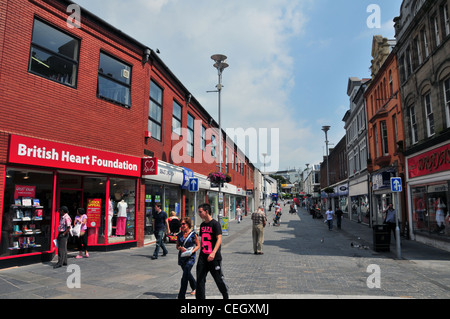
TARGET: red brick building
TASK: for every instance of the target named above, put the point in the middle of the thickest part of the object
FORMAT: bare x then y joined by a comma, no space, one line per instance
81,108
385,127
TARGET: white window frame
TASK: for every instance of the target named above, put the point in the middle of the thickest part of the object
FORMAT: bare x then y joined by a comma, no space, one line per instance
429,115
446,85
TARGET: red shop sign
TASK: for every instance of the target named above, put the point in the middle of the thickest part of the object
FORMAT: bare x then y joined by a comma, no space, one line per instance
31,151
24,191
93,212
435,161
150,166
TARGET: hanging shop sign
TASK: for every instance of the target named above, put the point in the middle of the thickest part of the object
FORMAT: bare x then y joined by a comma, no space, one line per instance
150,166
187,175
31,151
434,161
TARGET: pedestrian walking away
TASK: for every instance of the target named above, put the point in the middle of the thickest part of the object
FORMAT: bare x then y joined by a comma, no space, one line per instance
210,258
160,224
259,222
187,244
64,227
330,216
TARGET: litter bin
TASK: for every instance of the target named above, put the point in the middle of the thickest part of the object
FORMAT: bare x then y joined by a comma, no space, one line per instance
381,238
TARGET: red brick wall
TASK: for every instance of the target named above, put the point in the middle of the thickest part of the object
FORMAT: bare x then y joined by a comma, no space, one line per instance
38,107
384,106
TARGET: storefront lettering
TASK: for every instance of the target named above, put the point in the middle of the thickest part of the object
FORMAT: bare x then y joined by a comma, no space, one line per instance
435,160
431,162
37,152
163,171
30,151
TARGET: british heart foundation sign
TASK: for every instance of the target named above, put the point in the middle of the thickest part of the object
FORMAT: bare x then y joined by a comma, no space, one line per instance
31,151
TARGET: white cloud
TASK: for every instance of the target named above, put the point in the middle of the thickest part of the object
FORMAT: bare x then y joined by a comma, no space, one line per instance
255,37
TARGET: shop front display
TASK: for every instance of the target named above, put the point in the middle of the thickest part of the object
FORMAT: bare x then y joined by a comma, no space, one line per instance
428,188
430,209
27,217
162,186
69,176
360,211
382,195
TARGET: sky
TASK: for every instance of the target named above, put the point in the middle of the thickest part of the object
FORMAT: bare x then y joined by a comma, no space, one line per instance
289,62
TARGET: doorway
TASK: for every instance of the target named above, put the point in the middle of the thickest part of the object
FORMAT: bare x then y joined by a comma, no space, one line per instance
73,199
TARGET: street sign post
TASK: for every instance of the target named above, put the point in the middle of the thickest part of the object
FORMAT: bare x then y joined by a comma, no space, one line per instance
193,185
396,187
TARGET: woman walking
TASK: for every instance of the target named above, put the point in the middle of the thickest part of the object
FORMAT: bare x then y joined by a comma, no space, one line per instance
187,244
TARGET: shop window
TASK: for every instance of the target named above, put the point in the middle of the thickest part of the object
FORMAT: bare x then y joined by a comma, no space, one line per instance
360,209
94,199
430,209
172,200
213,200
122,210
153,194
155,111
54,54
380,205
114,80
27,212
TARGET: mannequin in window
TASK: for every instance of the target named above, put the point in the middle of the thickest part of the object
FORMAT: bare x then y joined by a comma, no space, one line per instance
440,215
121,218
110,216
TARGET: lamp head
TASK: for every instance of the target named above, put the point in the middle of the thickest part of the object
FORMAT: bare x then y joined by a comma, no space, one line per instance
219,58
326,128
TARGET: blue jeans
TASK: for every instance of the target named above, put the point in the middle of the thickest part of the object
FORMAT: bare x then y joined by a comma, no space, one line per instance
187,277
330,224
159,243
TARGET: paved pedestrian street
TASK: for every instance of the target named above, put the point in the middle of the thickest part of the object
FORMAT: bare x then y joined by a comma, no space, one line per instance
302,260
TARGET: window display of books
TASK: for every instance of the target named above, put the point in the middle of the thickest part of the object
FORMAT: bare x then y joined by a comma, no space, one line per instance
26,232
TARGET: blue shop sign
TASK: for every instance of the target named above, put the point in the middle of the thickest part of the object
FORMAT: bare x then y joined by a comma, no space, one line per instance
187,175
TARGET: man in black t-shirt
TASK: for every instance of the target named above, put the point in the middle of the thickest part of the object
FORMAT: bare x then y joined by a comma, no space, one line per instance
210,259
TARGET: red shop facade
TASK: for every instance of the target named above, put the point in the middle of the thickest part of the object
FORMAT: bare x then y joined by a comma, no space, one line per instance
41,175
428,182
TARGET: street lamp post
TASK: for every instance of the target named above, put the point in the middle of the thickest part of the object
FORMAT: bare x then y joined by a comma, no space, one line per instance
220,65
326,129
264,178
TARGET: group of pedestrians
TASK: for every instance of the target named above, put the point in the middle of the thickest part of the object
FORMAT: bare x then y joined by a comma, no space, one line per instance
331,215
65,229
188,243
